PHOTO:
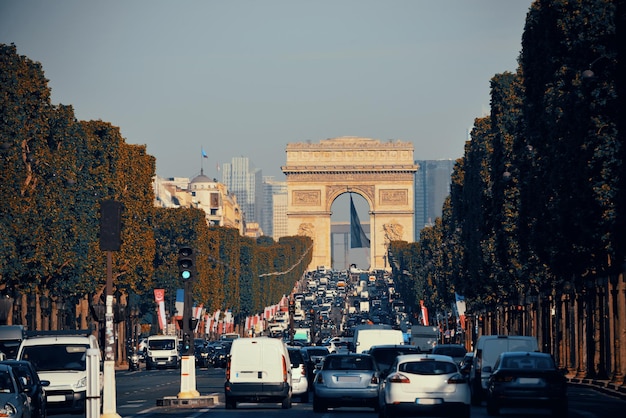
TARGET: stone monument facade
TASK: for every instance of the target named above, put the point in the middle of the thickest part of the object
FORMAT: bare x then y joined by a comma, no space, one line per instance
381,172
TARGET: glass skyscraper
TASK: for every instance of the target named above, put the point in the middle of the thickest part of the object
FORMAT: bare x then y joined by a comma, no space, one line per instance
245,182
432,187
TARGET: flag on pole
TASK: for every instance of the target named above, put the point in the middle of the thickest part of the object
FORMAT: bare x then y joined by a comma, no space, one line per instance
358,239
204,154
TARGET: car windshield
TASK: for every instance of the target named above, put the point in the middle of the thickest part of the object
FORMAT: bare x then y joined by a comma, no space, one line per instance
348,363
161,344
428,367
56,357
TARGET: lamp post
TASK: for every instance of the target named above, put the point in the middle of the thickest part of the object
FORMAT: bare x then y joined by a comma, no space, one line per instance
44,304
31,312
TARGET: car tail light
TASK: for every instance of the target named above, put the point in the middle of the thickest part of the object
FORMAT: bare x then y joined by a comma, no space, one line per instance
457,378
285,374
319,379
303,371
228,370
503,378
398,378
374,380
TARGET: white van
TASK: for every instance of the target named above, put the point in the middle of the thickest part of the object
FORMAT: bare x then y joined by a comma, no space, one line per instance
486,351
367,336
61,358
162,352
258,370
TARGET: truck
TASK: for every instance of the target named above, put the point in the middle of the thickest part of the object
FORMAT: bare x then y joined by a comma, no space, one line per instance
424,337
367,336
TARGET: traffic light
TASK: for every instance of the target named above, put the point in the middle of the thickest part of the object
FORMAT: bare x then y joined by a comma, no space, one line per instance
186,343
110,225
186,263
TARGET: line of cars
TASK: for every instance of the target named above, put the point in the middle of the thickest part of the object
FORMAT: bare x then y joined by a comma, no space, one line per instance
47,371
397,379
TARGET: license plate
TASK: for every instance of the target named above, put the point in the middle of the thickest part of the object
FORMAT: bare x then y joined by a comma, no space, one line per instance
427,401
528,380
348,379
56,398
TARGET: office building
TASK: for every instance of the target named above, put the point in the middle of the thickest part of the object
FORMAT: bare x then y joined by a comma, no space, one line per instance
432,187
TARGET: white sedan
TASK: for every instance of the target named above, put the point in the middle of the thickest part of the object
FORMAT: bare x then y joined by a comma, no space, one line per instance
424,383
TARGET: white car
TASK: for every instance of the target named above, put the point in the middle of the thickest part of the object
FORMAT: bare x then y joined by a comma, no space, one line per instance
424,383
299,382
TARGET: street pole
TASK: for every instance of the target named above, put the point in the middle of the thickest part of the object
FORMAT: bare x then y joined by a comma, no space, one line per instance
108,391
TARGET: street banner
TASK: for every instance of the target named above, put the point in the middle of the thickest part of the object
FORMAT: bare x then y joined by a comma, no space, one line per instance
159,298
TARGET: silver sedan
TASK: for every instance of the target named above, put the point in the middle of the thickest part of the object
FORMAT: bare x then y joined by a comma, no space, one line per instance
346,380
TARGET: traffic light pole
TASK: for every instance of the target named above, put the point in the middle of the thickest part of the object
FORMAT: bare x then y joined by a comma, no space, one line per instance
188,361
108,391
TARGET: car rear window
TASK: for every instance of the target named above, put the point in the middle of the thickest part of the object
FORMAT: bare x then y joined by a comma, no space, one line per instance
528,362
348,363
428,367
295,357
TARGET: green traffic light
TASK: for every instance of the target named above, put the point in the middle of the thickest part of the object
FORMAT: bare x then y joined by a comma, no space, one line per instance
186,274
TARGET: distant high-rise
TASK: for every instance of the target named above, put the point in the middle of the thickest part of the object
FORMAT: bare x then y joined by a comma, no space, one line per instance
245,182
271,188
279,210
432,186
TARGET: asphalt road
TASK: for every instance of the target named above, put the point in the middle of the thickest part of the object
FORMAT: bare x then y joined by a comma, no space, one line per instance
137,394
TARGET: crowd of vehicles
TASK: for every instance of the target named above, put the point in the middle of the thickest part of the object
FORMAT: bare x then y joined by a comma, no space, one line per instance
329,350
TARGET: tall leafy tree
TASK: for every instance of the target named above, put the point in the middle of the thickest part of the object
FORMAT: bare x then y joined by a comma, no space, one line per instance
572,124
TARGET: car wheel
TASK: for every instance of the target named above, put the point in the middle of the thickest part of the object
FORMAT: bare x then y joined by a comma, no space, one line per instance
476,395
231,403
463,412
319,405
560,411
286,404
383,412
492,409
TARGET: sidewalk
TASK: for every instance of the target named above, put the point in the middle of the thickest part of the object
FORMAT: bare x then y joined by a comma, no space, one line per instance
601,385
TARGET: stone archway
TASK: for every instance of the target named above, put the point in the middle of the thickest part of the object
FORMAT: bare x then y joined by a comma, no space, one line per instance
381,172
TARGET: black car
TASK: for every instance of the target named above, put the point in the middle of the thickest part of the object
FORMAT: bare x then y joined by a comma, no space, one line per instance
385,355
313,357
527,380
456,351
33,386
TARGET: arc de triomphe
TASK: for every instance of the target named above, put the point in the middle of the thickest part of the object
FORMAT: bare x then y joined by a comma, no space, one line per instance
380,172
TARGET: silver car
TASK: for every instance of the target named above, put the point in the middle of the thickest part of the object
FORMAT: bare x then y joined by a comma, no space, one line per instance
425,384
346,380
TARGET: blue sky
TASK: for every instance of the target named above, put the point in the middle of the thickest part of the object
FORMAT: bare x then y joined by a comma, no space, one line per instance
244,78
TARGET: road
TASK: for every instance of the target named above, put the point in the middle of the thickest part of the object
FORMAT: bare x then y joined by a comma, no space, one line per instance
137,393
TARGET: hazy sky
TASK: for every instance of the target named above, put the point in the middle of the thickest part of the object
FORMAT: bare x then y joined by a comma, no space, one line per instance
244,78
